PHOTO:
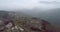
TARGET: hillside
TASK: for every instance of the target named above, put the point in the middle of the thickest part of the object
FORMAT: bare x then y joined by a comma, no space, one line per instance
3,14
13,15
52,15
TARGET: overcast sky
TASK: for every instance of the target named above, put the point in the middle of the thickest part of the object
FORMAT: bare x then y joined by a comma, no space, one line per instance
28,4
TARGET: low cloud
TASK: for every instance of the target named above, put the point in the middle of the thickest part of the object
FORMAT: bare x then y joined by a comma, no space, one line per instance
47,2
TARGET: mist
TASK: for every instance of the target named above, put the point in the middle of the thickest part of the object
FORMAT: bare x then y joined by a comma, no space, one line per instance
44,9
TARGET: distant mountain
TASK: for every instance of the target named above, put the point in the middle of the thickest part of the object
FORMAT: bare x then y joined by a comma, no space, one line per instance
3,14
52,15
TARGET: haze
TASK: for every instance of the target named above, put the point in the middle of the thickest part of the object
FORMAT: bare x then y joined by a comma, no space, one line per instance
12,5
47,9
